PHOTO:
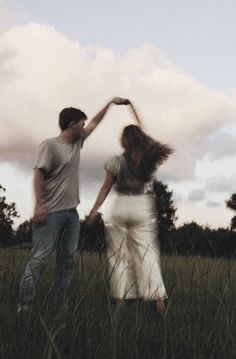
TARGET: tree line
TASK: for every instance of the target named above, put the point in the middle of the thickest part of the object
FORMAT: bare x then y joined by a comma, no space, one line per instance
187,239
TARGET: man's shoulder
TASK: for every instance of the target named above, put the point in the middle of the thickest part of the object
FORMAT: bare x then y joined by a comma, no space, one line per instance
49,142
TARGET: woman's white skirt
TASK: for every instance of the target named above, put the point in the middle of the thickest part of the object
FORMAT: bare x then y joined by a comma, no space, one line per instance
132,249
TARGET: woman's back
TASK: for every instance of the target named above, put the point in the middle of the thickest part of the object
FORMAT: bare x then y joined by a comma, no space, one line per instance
127,181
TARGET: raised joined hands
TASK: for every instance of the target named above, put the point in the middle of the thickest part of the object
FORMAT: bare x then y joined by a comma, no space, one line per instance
120,101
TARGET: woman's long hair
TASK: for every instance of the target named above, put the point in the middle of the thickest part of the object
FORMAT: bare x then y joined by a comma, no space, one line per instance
143,154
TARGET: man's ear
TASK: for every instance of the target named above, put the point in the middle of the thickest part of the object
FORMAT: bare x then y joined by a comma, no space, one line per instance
71,124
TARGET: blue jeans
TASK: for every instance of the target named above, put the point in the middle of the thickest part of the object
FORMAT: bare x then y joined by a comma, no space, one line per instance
59,231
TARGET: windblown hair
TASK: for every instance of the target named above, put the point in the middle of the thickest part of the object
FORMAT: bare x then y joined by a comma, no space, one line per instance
143,154
68,115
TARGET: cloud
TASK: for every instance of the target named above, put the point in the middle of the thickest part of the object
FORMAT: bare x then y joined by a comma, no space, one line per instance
220,145
177,197
221,184
3,9
45,71
213,204
196,195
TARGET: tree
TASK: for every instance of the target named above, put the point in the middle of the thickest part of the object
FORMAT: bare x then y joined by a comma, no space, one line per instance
233,223
23,233
165,207
7,214
231,204
194,239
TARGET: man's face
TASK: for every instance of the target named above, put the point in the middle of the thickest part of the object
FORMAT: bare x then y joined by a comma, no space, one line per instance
77,128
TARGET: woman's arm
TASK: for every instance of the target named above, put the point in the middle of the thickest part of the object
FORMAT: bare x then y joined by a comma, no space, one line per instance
133,110
102,195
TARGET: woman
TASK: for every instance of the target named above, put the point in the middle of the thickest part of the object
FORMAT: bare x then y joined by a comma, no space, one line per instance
132,249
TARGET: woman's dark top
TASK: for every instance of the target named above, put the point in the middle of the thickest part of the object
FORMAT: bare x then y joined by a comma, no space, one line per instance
126,183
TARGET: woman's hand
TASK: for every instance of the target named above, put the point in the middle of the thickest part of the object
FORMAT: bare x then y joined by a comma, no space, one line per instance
95,216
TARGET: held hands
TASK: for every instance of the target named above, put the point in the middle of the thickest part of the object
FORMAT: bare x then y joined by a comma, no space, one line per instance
93,218
125,101
120,101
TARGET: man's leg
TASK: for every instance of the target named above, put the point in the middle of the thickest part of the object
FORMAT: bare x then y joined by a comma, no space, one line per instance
65,255
45,236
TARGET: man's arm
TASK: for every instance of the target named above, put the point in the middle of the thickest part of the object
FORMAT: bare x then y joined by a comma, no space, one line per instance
97,119
39,210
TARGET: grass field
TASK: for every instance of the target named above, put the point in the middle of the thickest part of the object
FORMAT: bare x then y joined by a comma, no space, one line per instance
200,321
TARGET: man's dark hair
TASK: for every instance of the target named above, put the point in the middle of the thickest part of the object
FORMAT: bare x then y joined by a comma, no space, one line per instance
70,114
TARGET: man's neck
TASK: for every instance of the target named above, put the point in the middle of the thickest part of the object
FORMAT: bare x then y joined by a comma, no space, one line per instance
66,136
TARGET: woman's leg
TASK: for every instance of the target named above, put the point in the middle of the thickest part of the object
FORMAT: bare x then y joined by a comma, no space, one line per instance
160,307
145,253
122,277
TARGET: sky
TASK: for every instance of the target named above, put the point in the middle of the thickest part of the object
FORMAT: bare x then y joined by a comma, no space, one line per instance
174,59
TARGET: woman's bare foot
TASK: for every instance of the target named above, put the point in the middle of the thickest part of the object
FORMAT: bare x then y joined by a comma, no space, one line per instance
160,306
119,304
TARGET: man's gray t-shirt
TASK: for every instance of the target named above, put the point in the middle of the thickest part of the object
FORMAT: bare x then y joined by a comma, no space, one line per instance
60,162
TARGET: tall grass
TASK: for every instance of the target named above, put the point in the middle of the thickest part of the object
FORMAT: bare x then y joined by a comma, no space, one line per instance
199,323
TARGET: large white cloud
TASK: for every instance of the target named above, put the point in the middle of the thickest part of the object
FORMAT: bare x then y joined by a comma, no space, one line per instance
44,71
5,12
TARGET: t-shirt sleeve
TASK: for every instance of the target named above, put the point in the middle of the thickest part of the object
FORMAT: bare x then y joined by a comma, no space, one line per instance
112,165
44,157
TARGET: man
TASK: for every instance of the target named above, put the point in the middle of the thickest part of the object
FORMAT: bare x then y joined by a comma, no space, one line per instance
56,187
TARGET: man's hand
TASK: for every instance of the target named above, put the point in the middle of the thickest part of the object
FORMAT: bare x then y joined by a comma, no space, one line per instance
120,101
92,218
39,213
